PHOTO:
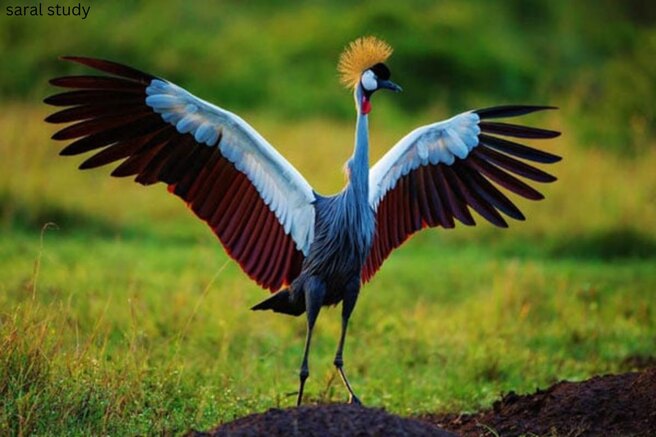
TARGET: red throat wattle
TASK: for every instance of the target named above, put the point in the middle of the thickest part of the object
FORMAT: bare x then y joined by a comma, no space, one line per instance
366,105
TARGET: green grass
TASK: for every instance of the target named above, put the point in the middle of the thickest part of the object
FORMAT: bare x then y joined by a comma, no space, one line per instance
127,318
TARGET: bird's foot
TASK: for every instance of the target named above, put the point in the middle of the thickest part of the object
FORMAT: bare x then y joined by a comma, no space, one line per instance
303,377
353,399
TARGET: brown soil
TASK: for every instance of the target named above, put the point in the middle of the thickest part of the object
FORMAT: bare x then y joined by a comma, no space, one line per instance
326,420
610,405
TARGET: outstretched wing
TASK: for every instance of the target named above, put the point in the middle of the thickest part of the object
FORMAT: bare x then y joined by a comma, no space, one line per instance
437,171
254,200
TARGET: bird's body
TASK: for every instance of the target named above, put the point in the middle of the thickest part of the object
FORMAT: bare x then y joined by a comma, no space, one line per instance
343,234
310,250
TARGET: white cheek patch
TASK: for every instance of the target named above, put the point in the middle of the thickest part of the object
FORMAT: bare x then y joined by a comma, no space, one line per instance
368,80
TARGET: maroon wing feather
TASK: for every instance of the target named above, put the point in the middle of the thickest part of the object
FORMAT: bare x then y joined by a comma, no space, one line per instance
435,195
111,118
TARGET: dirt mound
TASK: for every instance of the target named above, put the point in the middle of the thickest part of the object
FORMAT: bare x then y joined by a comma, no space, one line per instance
326,420
610,405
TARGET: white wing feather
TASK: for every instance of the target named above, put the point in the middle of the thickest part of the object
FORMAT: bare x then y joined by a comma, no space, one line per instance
435,143
284,190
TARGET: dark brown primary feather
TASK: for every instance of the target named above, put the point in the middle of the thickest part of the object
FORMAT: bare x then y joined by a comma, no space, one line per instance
440,193
84,112
113,68
98,83
109,116
514,166
95,97
518,150
509,111
513,130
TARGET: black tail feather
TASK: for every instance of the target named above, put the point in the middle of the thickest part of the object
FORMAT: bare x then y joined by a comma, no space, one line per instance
281,302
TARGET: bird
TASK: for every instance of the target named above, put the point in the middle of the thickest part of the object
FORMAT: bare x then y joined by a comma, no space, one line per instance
309,250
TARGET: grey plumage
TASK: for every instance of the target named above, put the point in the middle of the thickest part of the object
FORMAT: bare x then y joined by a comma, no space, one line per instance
342,240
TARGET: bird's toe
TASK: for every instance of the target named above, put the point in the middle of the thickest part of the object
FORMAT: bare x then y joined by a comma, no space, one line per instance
353,399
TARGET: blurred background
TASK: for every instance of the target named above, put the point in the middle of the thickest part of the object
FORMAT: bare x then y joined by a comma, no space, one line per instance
274,62
128,303
594,59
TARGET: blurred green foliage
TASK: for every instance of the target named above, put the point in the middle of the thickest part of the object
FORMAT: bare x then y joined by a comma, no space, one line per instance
594,59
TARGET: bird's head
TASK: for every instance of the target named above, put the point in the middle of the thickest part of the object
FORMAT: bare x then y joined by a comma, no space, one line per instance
362,68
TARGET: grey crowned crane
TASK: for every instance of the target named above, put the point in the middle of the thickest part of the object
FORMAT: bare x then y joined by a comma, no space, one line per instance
309,250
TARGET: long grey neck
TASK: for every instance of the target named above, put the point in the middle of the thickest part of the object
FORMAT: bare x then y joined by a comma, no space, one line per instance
359,162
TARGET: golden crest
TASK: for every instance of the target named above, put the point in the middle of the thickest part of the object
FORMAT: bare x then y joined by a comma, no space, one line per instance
361,54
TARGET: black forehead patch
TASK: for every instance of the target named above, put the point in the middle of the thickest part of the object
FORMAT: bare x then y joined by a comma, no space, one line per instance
381,71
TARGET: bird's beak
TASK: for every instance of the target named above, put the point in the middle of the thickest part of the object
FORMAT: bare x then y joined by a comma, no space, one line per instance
388,84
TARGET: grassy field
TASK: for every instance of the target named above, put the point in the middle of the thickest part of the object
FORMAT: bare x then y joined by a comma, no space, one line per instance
120,313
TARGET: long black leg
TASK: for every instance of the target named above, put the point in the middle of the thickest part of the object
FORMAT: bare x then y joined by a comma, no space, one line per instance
350,298
315,291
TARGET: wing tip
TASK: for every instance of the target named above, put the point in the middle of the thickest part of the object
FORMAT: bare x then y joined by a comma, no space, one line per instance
552,159
58,136
68,150
110,67
77,59
503,111
49,101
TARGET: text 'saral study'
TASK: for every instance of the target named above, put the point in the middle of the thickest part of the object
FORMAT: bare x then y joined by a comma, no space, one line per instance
52,10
